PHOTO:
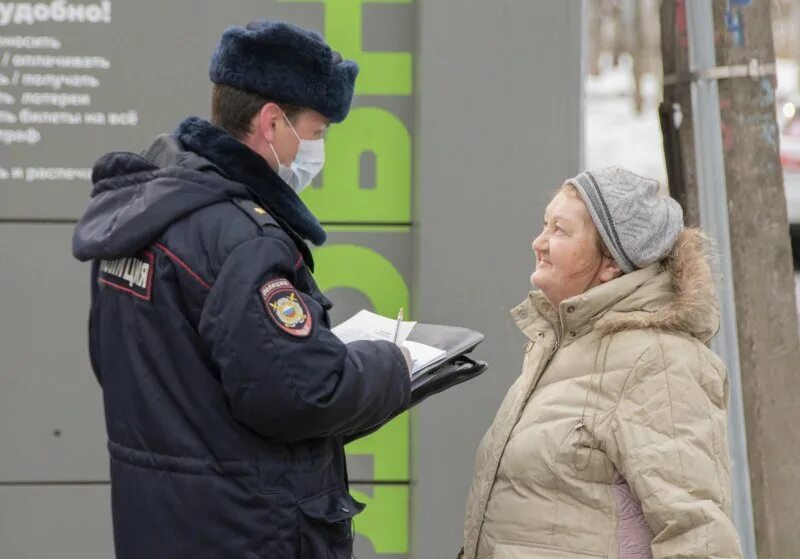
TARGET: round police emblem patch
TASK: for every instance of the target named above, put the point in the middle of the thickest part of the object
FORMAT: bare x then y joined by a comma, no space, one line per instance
286,307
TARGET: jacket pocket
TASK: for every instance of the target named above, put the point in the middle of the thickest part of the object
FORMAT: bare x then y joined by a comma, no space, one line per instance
326,524
520,550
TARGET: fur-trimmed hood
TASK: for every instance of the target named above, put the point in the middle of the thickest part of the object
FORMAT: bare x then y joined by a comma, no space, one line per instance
691,305
675,295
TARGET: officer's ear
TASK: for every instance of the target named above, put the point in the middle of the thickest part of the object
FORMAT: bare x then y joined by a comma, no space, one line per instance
267,121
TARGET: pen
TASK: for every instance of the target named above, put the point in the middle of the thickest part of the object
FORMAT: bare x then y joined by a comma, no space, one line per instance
397,326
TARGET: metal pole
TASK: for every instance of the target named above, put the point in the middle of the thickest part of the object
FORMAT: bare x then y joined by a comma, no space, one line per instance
713,206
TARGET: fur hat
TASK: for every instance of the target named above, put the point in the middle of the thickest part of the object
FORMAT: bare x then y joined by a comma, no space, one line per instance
285,63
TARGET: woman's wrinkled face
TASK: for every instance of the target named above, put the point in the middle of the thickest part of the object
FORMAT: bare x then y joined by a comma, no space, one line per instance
568,258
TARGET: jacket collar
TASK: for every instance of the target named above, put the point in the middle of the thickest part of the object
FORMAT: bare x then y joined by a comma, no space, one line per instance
577,315
241,164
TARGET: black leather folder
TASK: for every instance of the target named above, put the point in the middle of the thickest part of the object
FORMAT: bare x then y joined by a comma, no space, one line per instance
457,342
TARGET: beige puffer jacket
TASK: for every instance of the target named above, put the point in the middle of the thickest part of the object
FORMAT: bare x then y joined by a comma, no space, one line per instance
613,441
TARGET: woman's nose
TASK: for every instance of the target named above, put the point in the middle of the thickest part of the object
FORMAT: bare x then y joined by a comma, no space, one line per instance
539,243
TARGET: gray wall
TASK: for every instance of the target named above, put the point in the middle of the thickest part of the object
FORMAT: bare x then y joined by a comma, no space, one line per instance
54,498
498,122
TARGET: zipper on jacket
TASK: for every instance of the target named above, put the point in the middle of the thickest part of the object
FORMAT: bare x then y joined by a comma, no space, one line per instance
555,348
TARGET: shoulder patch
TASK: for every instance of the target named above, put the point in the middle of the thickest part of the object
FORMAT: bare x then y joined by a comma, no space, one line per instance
255,212
286,308
132,275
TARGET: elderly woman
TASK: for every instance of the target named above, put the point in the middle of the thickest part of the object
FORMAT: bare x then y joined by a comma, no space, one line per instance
613,441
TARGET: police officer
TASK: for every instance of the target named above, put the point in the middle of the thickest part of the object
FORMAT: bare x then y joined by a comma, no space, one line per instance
227,398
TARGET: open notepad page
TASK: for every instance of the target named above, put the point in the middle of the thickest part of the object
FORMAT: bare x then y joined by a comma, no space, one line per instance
366,325
424,355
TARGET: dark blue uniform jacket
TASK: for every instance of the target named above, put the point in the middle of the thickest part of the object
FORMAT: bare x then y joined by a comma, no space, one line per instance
227,398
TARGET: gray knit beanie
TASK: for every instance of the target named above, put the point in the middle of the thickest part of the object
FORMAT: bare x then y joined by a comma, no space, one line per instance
637,224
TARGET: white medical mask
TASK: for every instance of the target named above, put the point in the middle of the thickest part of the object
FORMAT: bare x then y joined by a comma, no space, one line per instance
306,165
